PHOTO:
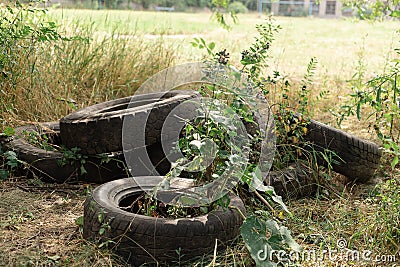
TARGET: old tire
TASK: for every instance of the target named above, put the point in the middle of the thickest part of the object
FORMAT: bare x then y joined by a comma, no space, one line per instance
357,159
98,128
46,164
293,182
142,239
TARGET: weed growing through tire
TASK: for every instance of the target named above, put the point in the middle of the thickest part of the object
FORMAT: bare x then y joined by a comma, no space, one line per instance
291,116
291,111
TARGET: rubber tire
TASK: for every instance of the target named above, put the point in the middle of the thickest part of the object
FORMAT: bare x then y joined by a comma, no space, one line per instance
293,182
98,128
142,239
358,158
45,164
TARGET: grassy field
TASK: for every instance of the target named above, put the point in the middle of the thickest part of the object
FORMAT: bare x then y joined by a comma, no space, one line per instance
37,220
337,44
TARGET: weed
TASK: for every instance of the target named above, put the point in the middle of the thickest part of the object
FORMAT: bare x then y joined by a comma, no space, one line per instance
17,218
39,140
8,163
73,156
380,98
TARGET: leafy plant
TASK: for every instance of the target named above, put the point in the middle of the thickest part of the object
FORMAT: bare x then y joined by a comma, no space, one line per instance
22,28
73,156
378,100
8,159
266,240
218,7
291,113
39,140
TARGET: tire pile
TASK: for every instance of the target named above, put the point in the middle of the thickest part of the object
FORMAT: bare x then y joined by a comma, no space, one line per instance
95,134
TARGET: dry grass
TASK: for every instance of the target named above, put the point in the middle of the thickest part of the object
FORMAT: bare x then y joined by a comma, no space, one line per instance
37,226
54,79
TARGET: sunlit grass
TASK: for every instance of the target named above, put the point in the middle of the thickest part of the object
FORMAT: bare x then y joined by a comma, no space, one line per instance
336,43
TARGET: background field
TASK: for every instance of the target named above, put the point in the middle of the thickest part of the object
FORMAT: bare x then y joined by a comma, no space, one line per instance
37,221
336,43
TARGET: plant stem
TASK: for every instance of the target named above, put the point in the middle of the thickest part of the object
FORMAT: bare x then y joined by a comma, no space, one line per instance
240,212
264,200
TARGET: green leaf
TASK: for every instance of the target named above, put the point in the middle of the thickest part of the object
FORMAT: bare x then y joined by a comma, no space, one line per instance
3,174
258,184
278,200
9,131
203,210
12,159
254,235
265,238
79,221
196,143
83,170
102,231
395,14
187,200
211,46
100,217
395,161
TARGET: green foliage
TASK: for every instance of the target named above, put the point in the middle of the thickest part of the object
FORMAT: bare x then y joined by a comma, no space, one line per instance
8,159
22,28
237,7
79,223
218,7
387,220
9,163
39,140
255,58
379,101
291,112
16,218
265,239
374,10
201,44
73,156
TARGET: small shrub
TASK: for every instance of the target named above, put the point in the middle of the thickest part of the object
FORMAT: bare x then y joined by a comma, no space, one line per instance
378,100
237,7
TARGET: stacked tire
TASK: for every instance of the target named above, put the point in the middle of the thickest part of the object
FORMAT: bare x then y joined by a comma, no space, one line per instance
95,134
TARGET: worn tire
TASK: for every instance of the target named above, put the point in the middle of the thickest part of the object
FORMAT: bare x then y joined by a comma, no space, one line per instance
143,239
45,164
293,182
98,128
357,159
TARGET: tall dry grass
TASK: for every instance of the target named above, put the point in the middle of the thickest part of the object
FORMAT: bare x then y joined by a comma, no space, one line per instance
45,80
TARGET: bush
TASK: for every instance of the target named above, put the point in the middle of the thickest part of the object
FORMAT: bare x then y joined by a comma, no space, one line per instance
299,12
252,4
237,7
